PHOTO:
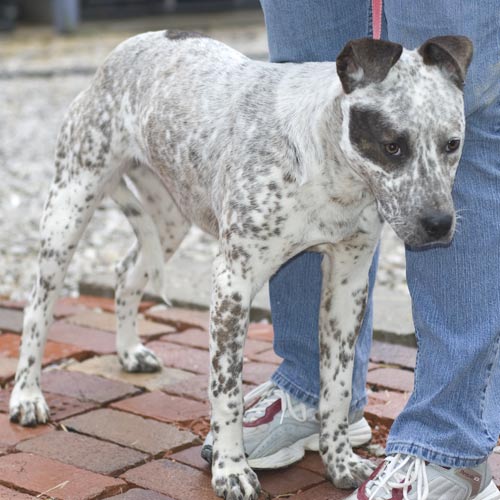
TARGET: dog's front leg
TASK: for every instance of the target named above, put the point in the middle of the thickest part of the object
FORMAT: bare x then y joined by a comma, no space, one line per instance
232,477
345,279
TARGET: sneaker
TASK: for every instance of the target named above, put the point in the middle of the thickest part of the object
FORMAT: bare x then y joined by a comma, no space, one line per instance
278,429
405,477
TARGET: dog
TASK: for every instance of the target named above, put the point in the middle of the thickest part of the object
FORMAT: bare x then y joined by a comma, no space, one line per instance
271,159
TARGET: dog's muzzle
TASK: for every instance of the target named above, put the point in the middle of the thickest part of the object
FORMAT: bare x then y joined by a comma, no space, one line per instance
437,225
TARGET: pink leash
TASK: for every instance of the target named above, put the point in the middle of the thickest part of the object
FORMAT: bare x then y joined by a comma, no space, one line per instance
377,18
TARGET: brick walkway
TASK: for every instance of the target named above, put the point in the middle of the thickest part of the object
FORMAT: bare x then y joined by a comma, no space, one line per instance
138,436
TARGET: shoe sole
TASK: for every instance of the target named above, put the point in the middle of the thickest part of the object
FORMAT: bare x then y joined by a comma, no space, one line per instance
359,434
489,493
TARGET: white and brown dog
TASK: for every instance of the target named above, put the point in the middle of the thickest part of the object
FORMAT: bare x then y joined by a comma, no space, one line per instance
271,159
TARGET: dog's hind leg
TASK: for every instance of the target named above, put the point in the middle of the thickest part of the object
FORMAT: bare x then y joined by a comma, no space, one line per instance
77,189
159,228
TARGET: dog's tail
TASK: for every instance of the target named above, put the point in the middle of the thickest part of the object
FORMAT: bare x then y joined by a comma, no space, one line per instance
150,247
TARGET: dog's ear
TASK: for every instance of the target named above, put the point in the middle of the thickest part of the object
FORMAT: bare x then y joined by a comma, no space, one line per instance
366,61
452,54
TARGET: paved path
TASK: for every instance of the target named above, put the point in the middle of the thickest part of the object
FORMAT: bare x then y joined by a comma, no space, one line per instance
138,436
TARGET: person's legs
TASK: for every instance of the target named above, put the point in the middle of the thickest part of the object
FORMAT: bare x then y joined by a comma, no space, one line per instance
453,416
314,30
301,31
295,292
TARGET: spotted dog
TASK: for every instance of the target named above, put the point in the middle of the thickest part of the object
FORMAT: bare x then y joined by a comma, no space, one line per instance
271,159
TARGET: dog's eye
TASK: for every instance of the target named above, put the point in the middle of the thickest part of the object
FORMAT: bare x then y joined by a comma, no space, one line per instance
392,149
452,145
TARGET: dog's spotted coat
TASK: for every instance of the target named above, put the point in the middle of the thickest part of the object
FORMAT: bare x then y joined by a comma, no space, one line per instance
271,159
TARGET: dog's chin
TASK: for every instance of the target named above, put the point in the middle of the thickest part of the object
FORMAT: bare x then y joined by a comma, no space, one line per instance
421,242
419,239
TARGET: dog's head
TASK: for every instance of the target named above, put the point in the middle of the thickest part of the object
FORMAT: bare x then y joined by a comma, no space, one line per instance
403,129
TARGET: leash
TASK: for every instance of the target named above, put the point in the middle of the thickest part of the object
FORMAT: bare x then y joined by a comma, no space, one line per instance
377,18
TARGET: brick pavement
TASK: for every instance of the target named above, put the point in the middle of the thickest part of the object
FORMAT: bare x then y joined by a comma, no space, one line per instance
138,436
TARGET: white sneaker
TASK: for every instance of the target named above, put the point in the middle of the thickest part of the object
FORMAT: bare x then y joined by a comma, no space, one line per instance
278,429
405,477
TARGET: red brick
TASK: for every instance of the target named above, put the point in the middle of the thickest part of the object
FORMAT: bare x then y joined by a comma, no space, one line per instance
85,387
393,354
13,304
268,356
4,400
190,456
163,407
257,373
387,410
11,434
200,426
181,357
83,452
8,494
132,431
378,395
90,302
192,337
11,320
65,406
187,350
391,378
54,351
193,388
107,321
108,366
324,491
261,331
174,479
62,481
67,306
289,480
312,461
89,339
254,347
146,305
9,345
8,368
180,319
138,494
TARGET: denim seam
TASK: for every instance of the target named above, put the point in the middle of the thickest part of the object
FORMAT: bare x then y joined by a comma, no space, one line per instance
434,456
280,380
306,397
486,385
369,27
417,357
358,405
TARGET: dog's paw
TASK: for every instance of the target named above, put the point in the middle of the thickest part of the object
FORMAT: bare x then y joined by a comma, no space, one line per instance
140,359
28,408
235,482
351,472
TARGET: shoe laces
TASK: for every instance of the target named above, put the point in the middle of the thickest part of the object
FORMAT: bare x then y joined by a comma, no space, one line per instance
401,473
268,393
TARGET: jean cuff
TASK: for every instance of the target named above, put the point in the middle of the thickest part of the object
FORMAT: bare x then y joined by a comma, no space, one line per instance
355,411
433,456
308,398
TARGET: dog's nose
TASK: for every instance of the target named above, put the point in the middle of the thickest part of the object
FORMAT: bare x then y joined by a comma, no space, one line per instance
437,224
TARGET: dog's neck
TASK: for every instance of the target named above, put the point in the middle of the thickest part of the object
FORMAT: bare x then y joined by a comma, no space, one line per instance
313,120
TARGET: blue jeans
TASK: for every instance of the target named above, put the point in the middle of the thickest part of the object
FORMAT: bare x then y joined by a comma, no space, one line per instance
453,415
